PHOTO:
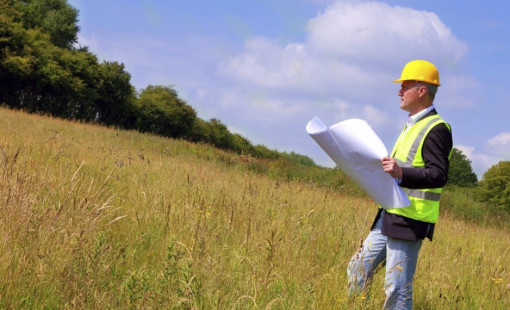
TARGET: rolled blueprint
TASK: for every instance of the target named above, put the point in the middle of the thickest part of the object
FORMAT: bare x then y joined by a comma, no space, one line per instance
357,150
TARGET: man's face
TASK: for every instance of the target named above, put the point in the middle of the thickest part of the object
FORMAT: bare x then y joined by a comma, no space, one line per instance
410,94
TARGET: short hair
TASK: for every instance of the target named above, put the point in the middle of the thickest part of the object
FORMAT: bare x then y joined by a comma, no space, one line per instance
431,89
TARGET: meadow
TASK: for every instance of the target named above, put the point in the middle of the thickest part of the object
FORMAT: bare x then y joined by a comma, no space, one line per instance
100,218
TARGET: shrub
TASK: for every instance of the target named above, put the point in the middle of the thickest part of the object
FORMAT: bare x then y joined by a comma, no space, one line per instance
495,185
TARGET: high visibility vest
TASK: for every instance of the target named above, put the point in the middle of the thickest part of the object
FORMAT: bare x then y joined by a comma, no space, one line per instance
407,152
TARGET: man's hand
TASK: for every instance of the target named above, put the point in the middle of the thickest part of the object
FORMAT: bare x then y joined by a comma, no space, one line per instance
390,166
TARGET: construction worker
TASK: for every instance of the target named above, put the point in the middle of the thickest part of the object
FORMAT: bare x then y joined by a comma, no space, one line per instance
419,162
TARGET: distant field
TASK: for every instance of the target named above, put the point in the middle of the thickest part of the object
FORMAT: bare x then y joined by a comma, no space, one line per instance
99,218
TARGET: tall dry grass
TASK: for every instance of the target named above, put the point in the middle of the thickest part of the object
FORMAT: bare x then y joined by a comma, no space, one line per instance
99,218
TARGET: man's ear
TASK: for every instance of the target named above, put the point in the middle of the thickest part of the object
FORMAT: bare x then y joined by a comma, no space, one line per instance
422,91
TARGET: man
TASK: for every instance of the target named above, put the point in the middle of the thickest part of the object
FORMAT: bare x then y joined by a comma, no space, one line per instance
419,162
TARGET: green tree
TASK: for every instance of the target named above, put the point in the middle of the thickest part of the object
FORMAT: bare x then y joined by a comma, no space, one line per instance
115,103
241,145
220,136
16,60
161,111
67,84
264,152
495,185
62,82
56,18
200,132
460,172
38,76
216,133
300,159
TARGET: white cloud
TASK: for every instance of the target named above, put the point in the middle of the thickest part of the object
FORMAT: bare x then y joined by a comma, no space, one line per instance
499,149
294,74
500,142
377,117
266,64
374,31
466,150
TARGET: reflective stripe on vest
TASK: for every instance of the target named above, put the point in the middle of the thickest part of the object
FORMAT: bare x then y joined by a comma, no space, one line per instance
421,194
414,148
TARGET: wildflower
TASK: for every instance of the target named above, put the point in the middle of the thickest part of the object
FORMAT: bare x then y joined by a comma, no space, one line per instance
497,281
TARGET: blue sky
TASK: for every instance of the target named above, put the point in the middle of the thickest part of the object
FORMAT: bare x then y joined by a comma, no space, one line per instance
265,67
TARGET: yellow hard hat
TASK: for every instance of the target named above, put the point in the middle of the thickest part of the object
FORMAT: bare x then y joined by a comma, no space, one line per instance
419,70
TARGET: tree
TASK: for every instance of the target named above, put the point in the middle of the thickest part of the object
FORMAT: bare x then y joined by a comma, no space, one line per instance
115,104
161,111
460,172
37,75
200,131
67,83
54,17
16,60
495,185
220,136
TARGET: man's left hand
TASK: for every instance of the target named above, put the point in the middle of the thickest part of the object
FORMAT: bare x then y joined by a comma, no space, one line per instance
390,166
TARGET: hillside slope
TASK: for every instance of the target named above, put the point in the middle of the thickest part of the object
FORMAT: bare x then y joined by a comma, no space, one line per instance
100,218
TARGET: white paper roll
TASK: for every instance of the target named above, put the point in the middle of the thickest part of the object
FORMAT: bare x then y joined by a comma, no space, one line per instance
357,150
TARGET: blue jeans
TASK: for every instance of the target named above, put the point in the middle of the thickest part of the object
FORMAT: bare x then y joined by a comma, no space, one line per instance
400,257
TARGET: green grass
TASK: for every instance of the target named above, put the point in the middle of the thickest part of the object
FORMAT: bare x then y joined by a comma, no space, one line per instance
461,203
97,218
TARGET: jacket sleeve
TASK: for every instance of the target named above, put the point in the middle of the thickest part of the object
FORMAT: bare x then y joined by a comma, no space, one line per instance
435,152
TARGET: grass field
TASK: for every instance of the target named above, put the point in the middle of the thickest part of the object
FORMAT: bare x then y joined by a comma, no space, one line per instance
97,218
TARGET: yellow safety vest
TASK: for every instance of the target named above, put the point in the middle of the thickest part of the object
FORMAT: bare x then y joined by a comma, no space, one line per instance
408,153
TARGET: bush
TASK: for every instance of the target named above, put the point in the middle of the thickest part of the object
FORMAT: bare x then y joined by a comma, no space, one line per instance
494,187
161,111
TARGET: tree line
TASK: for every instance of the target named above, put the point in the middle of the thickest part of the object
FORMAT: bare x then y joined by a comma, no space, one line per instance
43,71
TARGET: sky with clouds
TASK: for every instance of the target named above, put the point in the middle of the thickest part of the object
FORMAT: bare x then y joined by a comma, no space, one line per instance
265,68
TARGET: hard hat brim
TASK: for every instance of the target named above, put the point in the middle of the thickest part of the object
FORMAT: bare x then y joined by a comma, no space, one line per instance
402,80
